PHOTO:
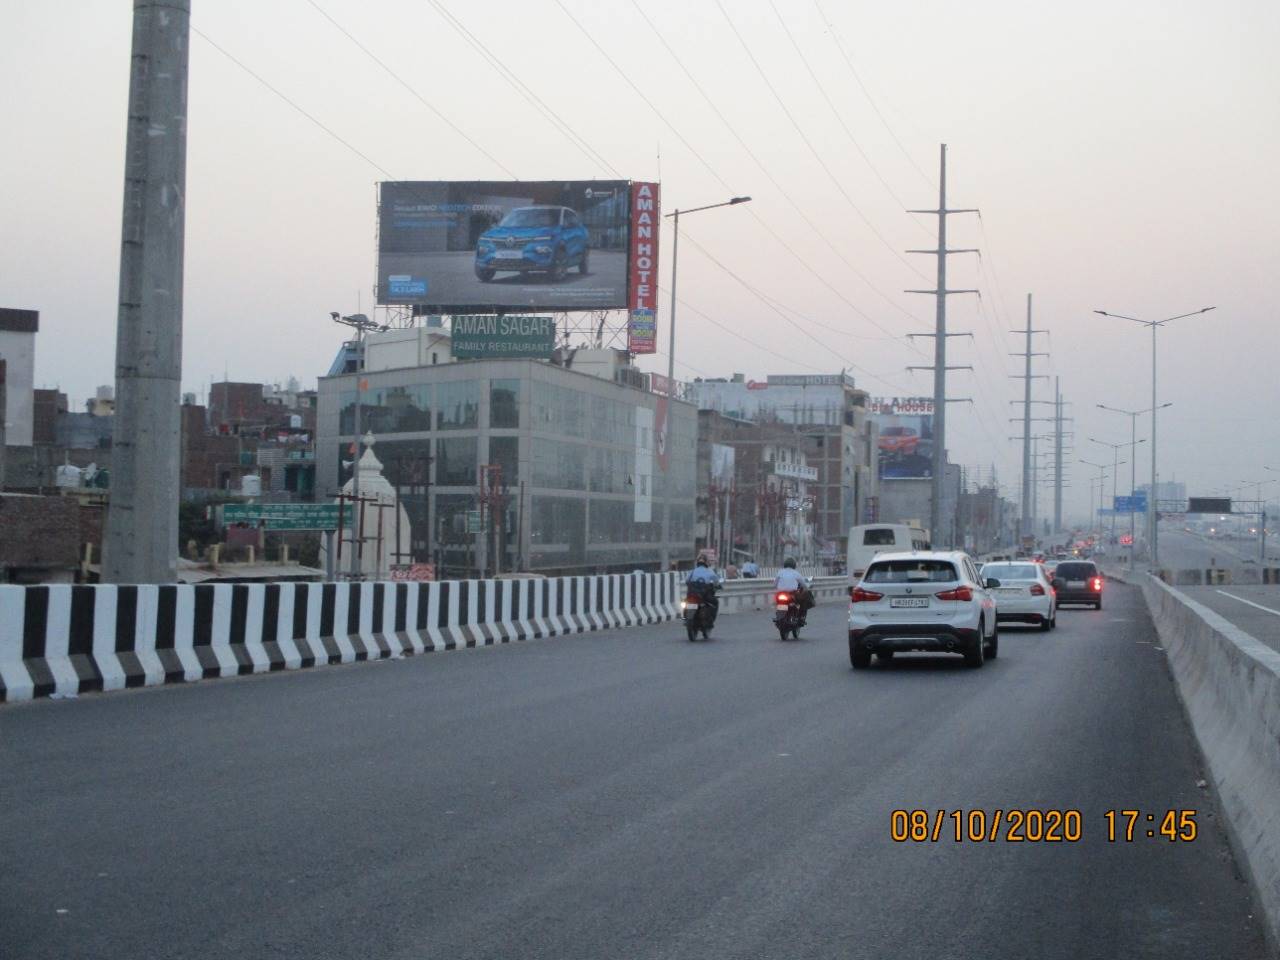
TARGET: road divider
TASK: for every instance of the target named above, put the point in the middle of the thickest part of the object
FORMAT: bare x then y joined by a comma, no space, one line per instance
68,640
1229,683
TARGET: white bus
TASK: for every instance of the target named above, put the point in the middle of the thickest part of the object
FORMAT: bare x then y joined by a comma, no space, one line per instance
871,538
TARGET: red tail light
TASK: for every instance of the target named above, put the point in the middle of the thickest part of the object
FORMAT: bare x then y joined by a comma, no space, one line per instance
691,600
782,598
959,593
864,596
1097,584
1037,590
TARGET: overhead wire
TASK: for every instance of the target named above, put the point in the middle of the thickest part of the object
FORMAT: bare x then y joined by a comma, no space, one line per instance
786,195
419,97
835,37
840,188
822,89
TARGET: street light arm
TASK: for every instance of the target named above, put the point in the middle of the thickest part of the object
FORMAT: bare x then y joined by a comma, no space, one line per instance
710,206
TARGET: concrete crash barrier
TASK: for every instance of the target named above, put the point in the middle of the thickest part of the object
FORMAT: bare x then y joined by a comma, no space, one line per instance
1230,684
66,640
757,594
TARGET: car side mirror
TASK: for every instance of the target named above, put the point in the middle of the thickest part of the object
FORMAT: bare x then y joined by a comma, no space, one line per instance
992,583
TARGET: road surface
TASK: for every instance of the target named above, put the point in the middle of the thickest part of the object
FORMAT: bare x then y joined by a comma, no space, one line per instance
623,794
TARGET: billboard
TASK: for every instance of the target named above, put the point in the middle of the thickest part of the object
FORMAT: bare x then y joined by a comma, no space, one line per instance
906,436
502,337
642,279
1209,505
480,246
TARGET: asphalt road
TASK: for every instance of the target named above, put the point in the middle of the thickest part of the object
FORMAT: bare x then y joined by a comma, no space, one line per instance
1180,550
623,794
1255,609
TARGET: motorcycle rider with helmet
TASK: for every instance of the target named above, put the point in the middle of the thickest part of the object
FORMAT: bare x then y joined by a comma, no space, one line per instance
791,580
702,581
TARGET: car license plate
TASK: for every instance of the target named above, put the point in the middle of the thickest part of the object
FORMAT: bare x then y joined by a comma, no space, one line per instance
909,602
509,255
1008,590
1075,584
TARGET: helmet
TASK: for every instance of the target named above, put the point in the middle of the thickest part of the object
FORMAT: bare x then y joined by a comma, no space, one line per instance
702,561
789,562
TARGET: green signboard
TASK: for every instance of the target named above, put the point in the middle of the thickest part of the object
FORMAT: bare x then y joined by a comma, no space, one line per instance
503,337
473,521
288,516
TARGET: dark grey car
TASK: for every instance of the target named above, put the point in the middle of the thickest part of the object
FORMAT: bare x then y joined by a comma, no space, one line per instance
1078,581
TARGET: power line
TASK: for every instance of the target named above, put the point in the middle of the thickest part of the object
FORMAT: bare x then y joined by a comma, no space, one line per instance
835,249
373,163
835,37
395,76
808,143
524,90
835,112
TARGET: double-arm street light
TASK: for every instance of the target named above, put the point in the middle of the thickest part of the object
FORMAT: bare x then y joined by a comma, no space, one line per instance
1153,324
671,361
1115,475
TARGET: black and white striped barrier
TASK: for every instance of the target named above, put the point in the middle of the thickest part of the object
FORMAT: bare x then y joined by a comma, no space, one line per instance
76,639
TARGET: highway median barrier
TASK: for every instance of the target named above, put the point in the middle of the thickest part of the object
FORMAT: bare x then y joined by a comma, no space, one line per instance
62,640
1229,683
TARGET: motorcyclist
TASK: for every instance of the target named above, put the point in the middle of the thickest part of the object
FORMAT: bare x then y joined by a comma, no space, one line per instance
702,581
791,580
750,569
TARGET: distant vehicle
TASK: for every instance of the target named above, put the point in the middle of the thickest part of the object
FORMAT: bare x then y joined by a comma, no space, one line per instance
546,240
931,600
1024,595
870,539
787,617
900,440
1078,581
697,610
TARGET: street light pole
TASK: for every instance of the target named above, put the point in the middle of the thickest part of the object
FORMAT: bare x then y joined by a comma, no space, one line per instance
671,362
1115,475
1102,472
1133,479
360,323
1151,511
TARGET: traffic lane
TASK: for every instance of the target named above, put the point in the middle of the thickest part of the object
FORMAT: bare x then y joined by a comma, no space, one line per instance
623,793
1254,609
1187,551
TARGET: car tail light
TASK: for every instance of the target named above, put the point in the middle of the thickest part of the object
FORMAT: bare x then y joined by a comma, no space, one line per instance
1097,584
1037,590
959,593
782,598
864,596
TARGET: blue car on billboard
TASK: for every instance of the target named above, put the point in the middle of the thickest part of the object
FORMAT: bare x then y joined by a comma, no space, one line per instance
547,240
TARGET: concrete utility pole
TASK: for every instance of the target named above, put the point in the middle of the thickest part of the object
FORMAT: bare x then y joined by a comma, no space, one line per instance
1027,526
939,336
142,520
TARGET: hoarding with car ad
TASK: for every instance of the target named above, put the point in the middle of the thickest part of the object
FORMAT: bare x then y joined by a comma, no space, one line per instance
906,436
485,246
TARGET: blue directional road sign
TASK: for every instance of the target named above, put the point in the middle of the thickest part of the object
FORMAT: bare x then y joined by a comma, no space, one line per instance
1131,504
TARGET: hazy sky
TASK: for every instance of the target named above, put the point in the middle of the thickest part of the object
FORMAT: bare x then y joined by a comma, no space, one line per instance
1123,156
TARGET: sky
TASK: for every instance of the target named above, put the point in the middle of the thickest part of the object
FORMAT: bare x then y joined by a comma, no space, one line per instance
1122,157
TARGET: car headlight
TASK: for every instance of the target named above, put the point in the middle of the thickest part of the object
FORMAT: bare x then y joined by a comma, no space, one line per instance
542,251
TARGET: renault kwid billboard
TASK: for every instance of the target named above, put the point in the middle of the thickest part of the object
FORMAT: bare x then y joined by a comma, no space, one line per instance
906,436
481,246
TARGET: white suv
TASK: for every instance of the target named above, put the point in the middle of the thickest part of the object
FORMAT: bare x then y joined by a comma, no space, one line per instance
923,600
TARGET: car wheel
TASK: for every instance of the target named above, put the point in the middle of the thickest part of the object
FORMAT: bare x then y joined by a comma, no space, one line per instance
975,656
1053,621
484,274
859,656
558,266
1046,624
583,268
1098,605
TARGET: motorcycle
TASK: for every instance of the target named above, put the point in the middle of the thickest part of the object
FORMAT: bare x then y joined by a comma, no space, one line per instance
787,615
698,613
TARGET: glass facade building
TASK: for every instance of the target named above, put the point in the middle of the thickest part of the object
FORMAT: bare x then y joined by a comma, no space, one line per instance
578,487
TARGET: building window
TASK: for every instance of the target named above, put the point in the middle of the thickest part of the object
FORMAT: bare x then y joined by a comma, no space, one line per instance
458,405
504,404
456,462
559,465
558,532
505,452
